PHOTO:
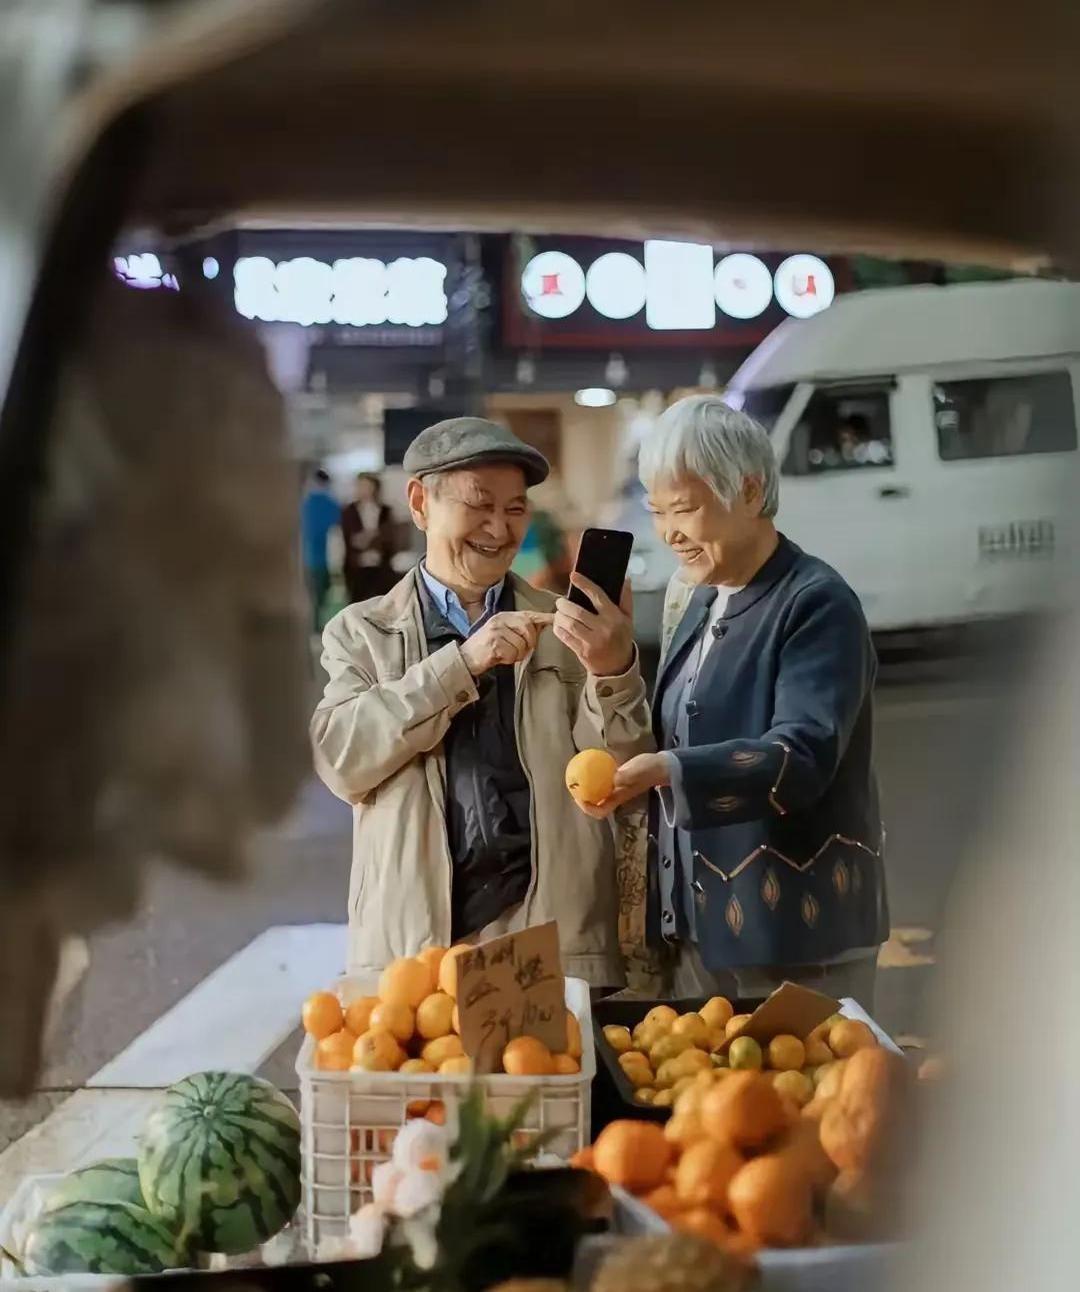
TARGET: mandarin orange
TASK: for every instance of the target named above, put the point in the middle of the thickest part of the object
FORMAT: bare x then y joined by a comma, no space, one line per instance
771,1202
633,1154
406,982
393,1017
743,1109
334,1052
590,775
448,970
322,1015
358,1014
704,1172
525,1056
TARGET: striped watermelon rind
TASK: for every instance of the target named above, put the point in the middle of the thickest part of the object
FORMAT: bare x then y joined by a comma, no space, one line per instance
219,1161
100,1238
114,1179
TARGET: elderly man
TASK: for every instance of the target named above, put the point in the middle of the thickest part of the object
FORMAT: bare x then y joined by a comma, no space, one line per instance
450,714
766,840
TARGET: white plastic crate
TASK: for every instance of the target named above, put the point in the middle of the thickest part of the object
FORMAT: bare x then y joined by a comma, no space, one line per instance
349,1119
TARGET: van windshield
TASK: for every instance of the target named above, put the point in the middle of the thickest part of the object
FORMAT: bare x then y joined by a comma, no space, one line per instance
764,405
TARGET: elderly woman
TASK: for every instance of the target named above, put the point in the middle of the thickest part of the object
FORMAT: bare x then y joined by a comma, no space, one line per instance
765,840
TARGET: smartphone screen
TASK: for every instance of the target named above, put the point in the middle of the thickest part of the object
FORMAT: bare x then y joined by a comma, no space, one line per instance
603,557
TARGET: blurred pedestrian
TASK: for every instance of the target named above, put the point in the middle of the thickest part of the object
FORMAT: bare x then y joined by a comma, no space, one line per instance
765,839
367,528
320,515
542,558
450,714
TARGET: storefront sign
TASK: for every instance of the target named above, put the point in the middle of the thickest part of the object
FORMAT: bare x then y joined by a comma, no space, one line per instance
355,291
143,270
679,285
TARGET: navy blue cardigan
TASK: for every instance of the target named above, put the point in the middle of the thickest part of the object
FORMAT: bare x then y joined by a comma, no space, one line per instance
778,784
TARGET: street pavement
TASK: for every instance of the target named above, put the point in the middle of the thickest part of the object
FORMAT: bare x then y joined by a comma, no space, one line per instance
936,727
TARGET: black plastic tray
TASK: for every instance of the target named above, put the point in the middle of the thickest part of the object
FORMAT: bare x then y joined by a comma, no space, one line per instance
613,1095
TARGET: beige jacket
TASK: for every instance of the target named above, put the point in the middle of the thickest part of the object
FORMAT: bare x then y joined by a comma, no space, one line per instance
377,735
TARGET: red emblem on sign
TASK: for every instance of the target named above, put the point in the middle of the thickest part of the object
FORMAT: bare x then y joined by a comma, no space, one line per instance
549,285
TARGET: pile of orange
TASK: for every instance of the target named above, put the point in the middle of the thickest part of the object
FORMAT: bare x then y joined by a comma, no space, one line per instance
747,1161
666,1051
412,1026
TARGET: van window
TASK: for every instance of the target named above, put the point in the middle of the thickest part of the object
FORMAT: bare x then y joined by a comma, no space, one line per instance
766,405
997,417
841,430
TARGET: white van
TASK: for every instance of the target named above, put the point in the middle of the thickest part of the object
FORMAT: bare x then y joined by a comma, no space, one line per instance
928,444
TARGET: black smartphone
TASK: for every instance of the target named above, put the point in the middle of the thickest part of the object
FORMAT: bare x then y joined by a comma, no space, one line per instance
603,557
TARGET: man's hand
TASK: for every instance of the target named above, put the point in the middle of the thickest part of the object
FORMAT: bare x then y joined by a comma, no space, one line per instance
604,640
635,777
506,638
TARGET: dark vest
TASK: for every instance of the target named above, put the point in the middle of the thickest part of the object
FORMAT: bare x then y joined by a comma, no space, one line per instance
776,768
488,820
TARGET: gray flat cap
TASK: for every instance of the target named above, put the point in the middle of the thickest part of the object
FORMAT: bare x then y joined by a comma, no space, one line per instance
469,442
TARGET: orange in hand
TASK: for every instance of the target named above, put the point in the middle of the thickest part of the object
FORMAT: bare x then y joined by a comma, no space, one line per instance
590,776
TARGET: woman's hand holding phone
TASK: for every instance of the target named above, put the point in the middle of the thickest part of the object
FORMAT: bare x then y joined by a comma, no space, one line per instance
602,638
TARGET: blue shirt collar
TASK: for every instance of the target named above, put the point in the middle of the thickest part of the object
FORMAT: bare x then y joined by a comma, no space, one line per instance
451,608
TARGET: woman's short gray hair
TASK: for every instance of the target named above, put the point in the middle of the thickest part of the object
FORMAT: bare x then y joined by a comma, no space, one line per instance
701,436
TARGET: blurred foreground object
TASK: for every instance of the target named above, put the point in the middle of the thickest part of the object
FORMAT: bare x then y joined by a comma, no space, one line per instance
154,686
998,1192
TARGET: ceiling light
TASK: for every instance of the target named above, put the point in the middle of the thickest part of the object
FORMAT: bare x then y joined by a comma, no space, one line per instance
595,397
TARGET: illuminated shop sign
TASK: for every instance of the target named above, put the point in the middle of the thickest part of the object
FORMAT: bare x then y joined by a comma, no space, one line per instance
680,286
143,270
353,292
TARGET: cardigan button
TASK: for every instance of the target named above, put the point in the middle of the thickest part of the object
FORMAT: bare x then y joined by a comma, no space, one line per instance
605,691
463,697
666,863
669,917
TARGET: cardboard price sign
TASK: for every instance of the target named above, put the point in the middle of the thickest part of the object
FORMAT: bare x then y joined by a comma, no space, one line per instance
791,1010
511,986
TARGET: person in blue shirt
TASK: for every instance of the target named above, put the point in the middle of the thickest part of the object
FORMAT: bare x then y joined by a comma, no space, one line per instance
320,513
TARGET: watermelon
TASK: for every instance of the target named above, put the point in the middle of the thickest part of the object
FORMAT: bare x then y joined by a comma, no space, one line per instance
100,1238
219,1161
115,1179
